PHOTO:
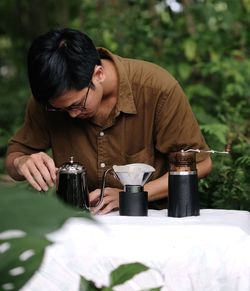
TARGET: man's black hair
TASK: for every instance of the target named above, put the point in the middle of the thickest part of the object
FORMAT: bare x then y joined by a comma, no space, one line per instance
60,60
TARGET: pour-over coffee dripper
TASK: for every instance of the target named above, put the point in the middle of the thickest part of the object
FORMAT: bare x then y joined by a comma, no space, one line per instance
133,174
133,200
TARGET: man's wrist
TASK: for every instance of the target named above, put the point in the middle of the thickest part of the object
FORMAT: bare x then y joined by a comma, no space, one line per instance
14,172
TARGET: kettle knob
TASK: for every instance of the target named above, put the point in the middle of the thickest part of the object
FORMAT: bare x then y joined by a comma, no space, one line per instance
72,167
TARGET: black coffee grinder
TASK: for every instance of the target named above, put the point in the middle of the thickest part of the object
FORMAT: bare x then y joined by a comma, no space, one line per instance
133,200
183,197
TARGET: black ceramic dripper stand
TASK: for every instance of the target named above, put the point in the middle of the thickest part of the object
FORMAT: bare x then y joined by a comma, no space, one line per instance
183,197
133,201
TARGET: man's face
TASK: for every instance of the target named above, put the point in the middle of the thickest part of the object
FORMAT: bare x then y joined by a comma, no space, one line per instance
79,104
84,103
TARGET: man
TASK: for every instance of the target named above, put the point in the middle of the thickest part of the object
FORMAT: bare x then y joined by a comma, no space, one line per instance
104,110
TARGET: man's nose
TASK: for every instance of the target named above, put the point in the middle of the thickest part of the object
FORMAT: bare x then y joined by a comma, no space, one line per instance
74,113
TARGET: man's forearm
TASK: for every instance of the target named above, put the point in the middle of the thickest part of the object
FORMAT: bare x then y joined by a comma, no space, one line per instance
158,188
204,167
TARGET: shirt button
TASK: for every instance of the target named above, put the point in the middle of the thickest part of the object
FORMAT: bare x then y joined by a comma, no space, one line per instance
101,133
102,165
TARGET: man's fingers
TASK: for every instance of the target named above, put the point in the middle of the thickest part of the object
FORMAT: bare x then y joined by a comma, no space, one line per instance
51,167
32,181
108,204
95,195
109,207
39,178
46,166
38,169
46,175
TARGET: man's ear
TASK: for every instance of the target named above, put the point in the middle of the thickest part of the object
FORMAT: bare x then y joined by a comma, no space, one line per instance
99,74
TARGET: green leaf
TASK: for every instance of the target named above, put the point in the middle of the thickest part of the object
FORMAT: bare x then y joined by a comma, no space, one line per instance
87,285
217,129
109,40
24,254
126,272
24,210
243,161
203,117
184,70
33,212
190,49
199,90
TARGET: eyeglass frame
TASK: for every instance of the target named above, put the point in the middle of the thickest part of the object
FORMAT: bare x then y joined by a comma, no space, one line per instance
82,107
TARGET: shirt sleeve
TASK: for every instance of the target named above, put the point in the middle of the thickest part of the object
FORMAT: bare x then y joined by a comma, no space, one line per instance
176,125
33,136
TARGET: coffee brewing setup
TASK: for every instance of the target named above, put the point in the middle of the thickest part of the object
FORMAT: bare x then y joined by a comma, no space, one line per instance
133,200
183,196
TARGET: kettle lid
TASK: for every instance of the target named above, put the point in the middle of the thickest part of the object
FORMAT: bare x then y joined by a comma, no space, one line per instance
72,167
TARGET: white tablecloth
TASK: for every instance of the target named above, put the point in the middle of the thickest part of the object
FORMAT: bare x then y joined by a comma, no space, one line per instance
204,253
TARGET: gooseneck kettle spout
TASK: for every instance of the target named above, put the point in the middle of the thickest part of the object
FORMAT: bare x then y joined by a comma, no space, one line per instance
103,187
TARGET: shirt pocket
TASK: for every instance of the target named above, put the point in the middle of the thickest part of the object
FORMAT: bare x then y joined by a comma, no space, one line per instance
145,156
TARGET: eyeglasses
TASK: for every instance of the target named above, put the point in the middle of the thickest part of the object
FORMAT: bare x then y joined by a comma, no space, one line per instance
81,106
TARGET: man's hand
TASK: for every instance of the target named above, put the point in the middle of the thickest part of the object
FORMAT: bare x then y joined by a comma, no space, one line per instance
110,200
38,169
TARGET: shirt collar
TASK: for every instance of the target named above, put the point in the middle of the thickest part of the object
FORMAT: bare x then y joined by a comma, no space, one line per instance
125,102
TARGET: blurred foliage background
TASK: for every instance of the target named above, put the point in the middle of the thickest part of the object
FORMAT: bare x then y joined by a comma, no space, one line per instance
205,44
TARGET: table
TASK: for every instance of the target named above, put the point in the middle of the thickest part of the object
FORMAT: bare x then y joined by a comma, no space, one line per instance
204,253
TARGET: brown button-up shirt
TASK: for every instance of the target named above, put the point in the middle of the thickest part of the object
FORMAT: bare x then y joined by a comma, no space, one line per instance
151,118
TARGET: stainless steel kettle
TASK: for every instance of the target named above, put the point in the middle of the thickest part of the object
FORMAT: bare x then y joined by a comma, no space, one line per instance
72,185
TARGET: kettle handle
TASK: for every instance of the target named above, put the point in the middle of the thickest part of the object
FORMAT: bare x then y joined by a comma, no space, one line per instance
102,189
